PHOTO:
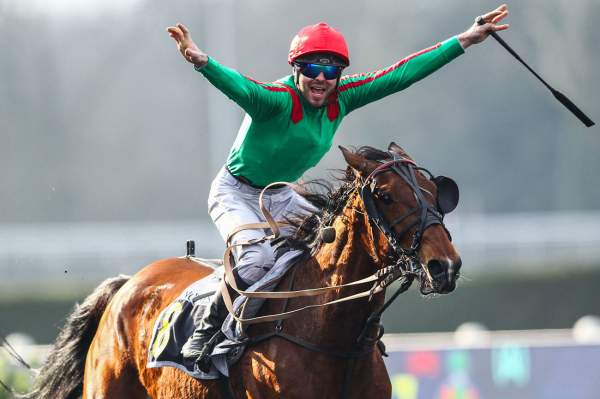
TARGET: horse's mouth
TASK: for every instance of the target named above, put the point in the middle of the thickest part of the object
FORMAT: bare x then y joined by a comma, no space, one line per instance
428,288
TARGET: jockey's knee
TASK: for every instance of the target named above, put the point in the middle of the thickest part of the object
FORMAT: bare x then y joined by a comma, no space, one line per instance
254,261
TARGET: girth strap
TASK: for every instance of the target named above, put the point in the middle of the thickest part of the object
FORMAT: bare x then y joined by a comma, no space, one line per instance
311,346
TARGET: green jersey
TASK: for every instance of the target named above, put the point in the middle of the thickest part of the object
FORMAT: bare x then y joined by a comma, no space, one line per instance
282,135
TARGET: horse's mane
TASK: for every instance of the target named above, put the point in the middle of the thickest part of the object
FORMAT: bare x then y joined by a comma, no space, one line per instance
329,198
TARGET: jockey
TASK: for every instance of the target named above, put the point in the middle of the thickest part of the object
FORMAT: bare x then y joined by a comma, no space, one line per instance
288,127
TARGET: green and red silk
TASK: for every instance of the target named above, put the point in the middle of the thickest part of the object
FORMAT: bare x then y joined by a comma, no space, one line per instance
282,135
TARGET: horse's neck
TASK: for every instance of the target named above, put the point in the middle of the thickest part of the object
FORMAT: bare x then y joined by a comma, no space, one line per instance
349,258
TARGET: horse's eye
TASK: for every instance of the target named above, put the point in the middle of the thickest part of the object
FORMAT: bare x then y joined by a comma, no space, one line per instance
386,198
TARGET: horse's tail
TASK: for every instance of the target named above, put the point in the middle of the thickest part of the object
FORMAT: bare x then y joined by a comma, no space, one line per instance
61,376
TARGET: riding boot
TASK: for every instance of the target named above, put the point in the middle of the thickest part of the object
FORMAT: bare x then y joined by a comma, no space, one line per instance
208,331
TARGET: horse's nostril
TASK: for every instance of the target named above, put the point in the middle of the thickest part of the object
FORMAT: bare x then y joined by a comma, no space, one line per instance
436,268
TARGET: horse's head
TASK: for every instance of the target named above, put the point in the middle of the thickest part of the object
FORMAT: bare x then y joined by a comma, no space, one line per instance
407,207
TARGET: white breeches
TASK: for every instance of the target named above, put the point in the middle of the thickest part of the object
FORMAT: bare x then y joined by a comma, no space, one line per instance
232,203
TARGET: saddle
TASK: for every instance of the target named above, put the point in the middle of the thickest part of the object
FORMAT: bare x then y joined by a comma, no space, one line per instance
175,324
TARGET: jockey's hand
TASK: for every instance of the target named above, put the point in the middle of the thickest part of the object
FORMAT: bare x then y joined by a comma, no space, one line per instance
478,33
186,45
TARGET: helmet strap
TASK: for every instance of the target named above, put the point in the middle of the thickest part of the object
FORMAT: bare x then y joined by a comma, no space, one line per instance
297,76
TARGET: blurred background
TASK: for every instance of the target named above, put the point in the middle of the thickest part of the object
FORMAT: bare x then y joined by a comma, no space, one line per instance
110,141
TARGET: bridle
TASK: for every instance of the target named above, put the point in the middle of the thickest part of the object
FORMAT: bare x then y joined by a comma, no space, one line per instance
406,260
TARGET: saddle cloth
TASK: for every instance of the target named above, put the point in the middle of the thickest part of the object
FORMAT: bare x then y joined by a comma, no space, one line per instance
175,324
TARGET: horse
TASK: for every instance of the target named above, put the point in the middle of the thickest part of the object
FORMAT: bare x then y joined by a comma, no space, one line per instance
386,209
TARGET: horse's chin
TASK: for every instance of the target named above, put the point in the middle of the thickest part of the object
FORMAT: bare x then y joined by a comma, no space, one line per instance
426,291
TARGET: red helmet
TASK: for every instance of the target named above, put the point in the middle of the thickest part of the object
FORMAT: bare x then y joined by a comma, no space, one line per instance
319,38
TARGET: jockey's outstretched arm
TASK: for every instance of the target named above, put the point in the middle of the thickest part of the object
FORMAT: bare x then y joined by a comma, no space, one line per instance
361,89
259,100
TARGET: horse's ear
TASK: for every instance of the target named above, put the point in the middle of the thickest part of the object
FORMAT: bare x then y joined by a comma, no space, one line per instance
393,147
356,161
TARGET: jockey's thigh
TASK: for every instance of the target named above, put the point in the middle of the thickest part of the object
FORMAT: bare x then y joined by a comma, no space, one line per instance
232,203
255,260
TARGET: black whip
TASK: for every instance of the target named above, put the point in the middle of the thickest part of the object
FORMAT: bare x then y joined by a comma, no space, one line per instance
557,94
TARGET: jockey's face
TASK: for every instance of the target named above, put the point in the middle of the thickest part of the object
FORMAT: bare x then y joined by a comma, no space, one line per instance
317,90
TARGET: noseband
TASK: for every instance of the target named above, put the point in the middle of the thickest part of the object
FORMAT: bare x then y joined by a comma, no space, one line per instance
405,258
